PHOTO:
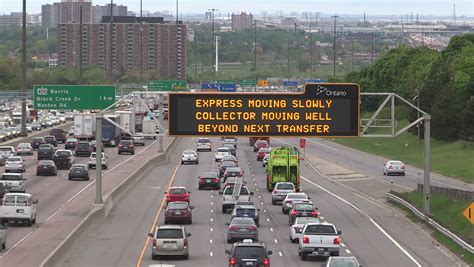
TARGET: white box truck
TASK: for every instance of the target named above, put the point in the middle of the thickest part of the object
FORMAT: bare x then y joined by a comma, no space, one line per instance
149,127
84,126
126,121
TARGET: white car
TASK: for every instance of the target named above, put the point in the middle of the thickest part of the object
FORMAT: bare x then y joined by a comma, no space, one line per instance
138,140
189,156
92,161
292,198
394,167
297,227
203,144
13,181
15,163
221,152
280,191
24,149
321,239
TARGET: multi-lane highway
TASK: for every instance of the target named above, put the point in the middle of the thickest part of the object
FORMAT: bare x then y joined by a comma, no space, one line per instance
63,204
373,232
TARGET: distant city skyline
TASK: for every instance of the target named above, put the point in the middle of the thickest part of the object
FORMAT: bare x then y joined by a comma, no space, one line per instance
370,7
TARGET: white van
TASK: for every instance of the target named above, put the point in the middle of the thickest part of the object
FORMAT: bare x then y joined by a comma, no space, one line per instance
19,207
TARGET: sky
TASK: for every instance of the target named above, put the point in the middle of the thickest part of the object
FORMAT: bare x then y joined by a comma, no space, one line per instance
370,7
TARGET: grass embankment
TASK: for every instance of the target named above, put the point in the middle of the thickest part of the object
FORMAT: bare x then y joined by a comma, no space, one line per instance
447,212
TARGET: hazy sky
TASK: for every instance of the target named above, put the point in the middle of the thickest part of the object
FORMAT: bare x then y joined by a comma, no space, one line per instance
370,7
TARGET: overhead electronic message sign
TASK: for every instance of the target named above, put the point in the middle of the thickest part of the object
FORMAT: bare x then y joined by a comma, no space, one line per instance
323,110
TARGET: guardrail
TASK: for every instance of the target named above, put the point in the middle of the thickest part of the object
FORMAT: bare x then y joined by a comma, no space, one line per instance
434,224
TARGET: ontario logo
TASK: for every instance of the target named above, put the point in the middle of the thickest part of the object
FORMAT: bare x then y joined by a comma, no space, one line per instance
321,90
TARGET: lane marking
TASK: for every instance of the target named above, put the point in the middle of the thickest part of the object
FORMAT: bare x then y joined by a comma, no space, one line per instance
212,219
276,241
279,253
211,254
370,219
348,251
93,182
321,217
16,244
264,210
210,241
212,211
155,220
268,219
343,245
271,229
212,229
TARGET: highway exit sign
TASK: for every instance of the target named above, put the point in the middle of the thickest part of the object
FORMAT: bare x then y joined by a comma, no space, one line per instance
469,213
174,85
248,83
73,97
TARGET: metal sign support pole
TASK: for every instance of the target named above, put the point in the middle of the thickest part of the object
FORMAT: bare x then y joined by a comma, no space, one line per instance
162,129
427,166
98,159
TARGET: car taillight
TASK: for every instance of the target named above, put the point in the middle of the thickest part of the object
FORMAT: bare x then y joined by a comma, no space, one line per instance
154,242
120,145
266,262
403,167
294,212
337,241
216,180
305,240
232,262
252,228
185,242
390,167
314,213
289,201
232,228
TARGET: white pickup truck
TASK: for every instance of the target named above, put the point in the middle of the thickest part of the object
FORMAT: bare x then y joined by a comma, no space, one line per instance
229,198
319,239
19,207
13,181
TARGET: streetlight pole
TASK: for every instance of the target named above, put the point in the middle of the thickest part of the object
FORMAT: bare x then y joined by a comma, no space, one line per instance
212,41
111,37
23,72
311,54
81,73
141,42
255,51
177,42
334,45
288,56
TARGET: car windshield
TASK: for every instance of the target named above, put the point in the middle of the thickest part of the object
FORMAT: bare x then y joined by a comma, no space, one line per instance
305,220
169,233
229,164
285,187
344,262
249,252
37,139
10,177
5,149
303,207
238,220
177,191
15,159
296,196
264,149
71,140
63,153
46,162
203,140
249,212
125,142
82,145
24,145
44,147
76,167
320,229
49,138
177,206
223,149
209,175
396,163
229,190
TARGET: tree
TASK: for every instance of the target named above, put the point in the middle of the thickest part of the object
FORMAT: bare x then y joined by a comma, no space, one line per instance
446,114
467,126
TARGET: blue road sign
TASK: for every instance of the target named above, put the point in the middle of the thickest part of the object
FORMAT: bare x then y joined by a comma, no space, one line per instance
221,87
315,81
290,83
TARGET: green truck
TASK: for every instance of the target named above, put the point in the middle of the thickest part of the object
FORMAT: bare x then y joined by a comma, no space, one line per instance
283,166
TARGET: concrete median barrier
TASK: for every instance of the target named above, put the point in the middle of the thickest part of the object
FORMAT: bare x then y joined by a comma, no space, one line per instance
99,212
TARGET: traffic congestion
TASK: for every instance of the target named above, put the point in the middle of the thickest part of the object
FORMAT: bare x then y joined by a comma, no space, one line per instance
244,208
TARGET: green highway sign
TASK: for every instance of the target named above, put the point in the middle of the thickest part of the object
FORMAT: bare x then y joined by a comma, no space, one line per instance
224,81
248,82
176,85
77,97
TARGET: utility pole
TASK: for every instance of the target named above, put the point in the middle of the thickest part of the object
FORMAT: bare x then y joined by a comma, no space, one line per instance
334,45
352,54
255,50
195,55
81,73
23,72
212,41
288,55
141,42
111,37
311,55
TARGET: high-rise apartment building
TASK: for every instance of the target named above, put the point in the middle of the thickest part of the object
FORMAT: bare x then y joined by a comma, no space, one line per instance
103,11
163,48
66,11
241,21
14,19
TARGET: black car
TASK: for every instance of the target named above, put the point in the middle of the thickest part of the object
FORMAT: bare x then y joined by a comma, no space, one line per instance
209,180
46,167
83,149
249,253
63,159
232,172
36,142
46,151
247,210
79,171
224,165
59,134
126,146
49,139
94,145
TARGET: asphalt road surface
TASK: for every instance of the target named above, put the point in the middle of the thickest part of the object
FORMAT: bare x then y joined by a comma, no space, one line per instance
372,232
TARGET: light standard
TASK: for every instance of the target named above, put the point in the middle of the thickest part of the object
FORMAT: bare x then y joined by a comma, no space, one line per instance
212,41
141,42
23,72
255,50
334,45
111,37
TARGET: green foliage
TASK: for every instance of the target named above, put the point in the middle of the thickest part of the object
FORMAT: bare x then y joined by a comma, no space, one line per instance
467,129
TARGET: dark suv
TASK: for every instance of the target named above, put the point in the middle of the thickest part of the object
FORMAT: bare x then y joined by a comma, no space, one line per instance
126,146
36,142
247,210
83,149
46,151
60,134
50,139
249,253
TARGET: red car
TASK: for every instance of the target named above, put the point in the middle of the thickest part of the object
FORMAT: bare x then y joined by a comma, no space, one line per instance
262,152
177,193
260,144
178,212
